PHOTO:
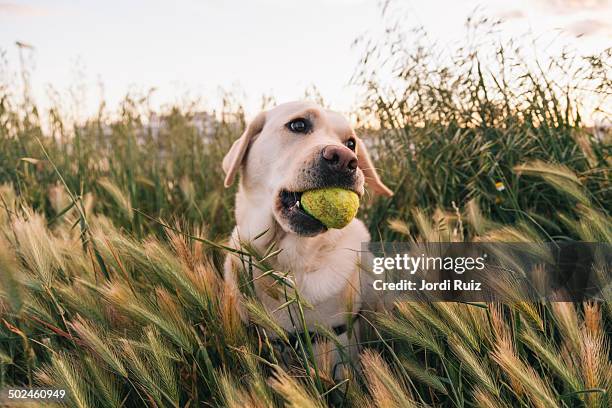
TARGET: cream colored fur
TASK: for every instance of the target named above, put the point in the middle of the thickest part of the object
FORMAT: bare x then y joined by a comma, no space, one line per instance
325,268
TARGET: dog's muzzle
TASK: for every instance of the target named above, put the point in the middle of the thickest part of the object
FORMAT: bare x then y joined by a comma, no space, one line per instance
334,166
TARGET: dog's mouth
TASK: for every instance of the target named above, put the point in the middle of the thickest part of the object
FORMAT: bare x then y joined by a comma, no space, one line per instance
299,220
292,216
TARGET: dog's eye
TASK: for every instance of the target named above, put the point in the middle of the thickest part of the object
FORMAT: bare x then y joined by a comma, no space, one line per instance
351,144
300,125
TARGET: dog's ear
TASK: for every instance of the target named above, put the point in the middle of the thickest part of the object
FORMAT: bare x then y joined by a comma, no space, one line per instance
371,176
234,158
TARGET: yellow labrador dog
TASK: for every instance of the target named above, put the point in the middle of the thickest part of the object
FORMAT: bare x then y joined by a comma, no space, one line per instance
285,151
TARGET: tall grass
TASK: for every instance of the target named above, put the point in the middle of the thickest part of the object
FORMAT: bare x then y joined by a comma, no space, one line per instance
454,122
111,237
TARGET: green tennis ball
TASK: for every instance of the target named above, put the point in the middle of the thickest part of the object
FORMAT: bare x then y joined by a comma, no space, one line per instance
334,207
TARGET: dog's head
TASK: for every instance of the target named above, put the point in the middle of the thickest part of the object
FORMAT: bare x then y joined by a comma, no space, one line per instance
295,147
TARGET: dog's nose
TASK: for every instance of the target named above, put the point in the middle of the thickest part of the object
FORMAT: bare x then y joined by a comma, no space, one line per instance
339,158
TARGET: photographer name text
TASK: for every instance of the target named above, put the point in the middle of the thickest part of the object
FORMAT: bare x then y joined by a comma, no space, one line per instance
423,285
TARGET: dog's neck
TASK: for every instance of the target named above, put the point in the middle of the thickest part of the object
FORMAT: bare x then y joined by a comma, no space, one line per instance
308,259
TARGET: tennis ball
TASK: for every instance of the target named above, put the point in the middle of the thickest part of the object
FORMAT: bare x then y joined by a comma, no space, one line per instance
334,207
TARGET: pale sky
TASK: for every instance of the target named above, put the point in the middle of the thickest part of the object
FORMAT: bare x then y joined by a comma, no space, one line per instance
272,47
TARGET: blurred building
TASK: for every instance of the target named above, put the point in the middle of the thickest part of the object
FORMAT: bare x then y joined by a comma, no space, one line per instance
203,122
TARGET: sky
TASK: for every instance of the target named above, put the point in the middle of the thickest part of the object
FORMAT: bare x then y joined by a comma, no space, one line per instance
187,49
